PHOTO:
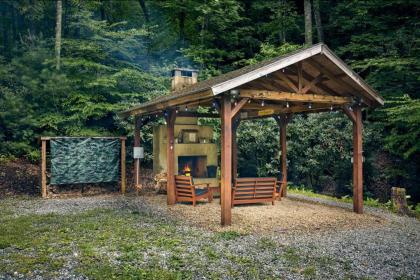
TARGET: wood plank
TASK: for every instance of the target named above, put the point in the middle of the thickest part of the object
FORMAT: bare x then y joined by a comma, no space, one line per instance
226,161
340,82
282,123
312,83
353,75
168,102
170,158
287,81
198,115
238,107
235,125
357,161
44,168
349,113
267,69
300,78
296,97
123,175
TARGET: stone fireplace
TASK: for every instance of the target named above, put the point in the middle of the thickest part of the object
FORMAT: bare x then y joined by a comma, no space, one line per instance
194,150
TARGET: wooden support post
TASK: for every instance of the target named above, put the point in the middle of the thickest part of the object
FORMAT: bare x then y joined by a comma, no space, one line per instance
170,158
123,177
226,161
44,168
357,161
235,126
282,122
283,144
137,143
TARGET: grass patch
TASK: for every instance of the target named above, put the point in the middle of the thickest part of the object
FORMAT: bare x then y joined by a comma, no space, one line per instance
228,235
347,199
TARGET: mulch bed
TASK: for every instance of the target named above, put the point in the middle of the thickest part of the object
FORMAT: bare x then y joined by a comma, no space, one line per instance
21,177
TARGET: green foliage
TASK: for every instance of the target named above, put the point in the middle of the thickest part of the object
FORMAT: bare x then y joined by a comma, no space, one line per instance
403,119
117,53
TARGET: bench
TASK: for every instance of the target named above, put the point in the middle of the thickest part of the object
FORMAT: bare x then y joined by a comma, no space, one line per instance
254,190
185,190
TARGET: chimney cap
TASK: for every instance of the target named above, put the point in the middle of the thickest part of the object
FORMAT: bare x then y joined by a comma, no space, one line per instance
185,69
184,72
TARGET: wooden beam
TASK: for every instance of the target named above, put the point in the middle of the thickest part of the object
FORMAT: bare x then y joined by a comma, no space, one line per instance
288,96
321,68
235,124
282,122
300,78
238,107
226,161
198,115
312,83
44,168
123,177
286,80
169,101
321,87
170,158
349,113
357,161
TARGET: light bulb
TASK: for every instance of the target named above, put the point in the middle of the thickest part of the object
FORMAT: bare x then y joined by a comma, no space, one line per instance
287,105
310,105
262,103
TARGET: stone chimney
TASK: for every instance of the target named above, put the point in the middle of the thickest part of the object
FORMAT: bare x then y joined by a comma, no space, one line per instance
183,77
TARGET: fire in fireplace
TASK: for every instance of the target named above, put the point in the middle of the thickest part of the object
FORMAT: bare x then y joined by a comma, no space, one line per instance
195,166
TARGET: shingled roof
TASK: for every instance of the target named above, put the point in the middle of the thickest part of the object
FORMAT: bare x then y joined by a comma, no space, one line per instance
236,78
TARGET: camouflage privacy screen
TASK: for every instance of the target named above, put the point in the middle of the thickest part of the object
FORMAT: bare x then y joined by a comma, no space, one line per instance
84,160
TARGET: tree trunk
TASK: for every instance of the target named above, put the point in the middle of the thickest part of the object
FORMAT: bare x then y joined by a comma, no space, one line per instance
59,15
308,22
399,200
182,29
318,23
145,11
5,34
102,10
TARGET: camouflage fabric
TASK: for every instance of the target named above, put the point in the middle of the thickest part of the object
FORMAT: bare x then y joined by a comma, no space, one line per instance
84,160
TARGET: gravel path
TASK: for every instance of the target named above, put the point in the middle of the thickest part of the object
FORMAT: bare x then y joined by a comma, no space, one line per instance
378,244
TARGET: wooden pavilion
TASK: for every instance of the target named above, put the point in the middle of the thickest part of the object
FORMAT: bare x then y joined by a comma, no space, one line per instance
309,80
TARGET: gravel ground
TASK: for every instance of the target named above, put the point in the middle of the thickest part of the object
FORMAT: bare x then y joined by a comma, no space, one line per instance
378,244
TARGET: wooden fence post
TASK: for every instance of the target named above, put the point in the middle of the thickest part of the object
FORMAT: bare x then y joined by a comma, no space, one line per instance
123,177
44,168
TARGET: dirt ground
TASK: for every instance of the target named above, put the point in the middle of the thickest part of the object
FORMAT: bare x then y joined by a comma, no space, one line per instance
285,216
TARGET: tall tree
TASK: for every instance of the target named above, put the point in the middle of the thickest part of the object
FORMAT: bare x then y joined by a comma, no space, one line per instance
59,15
308,21
145,11
318,23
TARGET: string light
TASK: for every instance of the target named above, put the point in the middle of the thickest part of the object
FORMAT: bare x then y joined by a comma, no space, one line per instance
331,108
287,104
176,110
262,103
186,108
309,105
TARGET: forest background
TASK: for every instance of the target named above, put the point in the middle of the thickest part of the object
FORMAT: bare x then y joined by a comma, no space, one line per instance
67,67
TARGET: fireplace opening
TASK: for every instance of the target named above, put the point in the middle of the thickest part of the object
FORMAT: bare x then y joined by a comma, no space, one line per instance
195,166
